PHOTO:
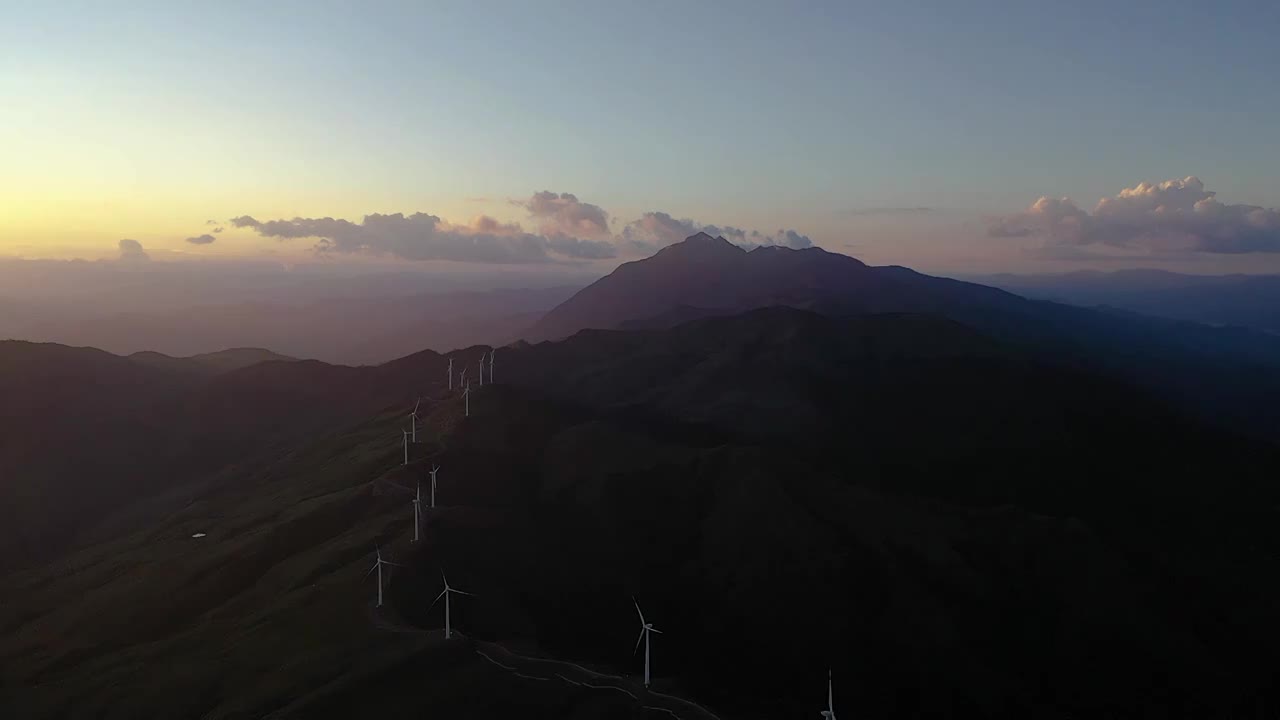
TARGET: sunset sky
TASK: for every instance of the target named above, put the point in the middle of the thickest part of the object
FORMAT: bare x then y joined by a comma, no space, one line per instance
914,133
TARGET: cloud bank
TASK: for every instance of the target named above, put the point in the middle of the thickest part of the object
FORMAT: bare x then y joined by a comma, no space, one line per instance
567,229
205,239
421,236
1172,216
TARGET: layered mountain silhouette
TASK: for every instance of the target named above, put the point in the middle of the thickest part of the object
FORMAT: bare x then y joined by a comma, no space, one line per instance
1229,373
1241,300
789,475
709,275
84,432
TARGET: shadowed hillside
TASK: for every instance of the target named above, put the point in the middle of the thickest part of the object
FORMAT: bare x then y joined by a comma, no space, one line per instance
955,528
83,432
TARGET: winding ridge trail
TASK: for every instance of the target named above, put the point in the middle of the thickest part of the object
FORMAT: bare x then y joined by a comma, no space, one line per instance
538,669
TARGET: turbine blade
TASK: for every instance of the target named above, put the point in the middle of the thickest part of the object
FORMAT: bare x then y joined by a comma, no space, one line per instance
433,602
461,592
633,652
375,567
633,601
416,405
384,562
654,629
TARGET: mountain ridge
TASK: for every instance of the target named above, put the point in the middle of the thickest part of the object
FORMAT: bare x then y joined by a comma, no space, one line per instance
1199,366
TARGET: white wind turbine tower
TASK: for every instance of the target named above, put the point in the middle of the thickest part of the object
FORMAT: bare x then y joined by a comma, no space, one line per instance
462,377
413,419
448,628
466,398
417,510
491,354
645,629
434,469
450,373
481,369
830,712
404,436
378,566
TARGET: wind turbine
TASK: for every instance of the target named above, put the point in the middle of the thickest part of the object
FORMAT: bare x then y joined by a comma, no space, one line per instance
462,376
378,566
405,442
413,419
645,629
450,373
448,628
830,712
417,510
481,369
434,469
491,354
466,397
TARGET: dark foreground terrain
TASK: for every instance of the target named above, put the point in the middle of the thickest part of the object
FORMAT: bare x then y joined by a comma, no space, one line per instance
956,526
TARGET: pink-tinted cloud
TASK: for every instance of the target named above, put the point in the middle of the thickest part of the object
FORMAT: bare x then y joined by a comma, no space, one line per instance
568,229
564,214
654,230
1172,216
421,236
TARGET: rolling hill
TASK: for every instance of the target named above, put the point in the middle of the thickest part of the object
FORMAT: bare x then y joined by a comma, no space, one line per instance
953,525
84,433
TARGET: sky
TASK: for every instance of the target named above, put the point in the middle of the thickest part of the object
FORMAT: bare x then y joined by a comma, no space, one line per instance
572,134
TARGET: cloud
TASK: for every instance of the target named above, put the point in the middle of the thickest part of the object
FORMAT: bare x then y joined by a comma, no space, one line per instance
205,239
421,236
782,238
1169,217
131,251
218,229
658,229
210,222
564,214
568,228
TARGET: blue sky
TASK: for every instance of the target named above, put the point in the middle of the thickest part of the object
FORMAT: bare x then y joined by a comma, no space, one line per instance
750,114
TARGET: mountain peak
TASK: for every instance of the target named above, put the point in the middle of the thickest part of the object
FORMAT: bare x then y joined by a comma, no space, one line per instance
701,245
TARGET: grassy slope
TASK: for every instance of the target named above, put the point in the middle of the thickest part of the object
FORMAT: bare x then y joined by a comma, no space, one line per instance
271,612
553,519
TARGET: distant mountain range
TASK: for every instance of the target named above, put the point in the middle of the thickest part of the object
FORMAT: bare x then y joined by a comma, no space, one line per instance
1240,300
958,500
1229,373
356,330
706,275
